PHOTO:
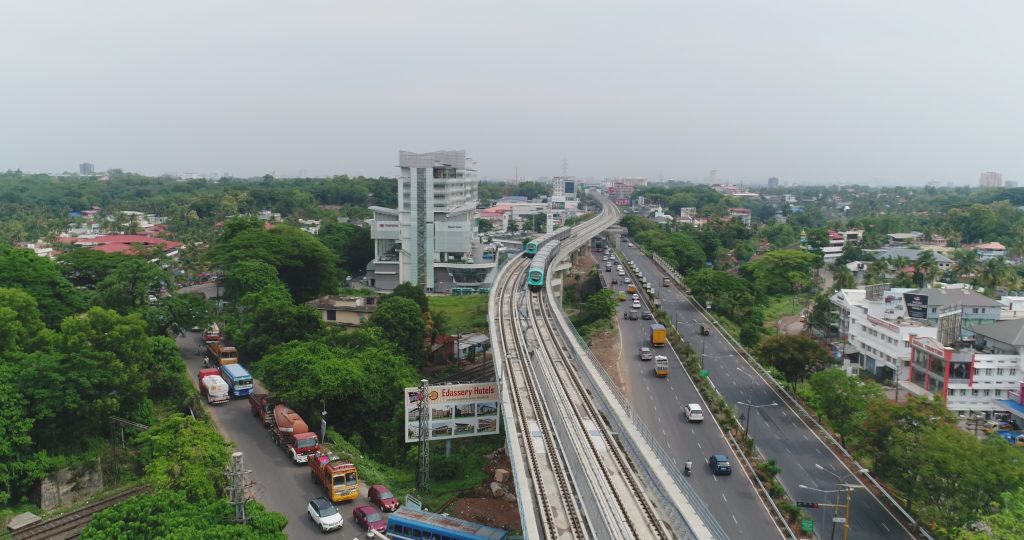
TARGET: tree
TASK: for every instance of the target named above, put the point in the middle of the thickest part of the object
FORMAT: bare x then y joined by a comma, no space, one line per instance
1005,523
414,293
88,267
925,268
41,278
599,306
130,285
877,272
996,273
350,244
778,271
303,263
16,423
842,400
843,278
183,453
269,318
728,295
21,327
401,320
795,357
967,263
484,226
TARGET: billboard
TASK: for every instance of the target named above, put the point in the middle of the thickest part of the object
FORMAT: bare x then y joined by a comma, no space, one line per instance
454,411
917,305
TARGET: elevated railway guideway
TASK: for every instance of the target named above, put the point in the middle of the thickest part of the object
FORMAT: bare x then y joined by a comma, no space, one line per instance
582,467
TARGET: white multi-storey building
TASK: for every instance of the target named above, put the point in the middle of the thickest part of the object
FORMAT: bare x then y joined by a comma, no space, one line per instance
433,225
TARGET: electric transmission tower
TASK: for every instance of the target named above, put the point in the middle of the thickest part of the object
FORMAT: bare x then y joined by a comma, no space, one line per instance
239,488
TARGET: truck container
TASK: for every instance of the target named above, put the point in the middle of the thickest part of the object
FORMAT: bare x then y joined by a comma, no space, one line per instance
220,355
213,387
337,476
212,334
661,366
287,429
658,337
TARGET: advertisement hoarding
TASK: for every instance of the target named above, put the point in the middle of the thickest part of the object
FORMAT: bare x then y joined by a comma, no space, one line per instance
917,305
454,411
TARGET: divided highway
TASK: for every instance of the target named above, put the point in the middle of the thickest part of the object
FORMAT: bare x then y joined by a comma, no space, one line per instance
659,402
779,433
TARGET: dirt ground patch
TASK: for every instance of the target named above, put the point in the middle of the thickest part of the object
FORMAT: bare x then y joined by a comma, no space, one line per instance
608,350
500,512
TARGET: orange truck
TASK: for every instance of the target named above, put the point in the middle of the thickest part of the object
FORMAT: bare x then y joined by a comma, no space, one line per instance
287,429
337,476
220,355
658,337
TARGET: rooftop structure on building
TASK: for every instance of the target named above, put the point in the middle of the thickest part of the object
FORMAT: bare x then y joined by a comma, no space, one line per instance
911,254
429,239
742,214
121,243
990,250
347,311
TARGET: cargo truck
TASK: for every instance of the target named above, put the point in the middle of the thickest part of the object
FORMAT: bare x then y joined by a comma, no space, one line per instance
287,429
220,355
213,387
661,366
212,333
658,337
337,476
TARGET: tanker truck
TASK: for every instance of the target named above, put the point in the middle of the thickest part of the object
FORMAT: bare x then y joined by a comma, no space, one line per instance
287,429
213,387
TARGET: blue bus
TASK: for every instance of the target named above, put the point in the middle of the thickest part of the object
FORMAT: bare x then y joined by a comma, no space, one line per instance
238,379
409,524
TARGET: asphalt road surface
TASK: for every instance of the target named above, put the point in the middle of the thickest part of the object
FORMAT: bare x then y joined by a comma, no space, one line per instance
778,432
278,483
660,402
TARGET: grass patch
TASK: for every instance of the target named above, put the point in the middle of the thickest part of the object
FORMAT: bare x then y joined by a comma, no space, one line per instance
783,306
462,313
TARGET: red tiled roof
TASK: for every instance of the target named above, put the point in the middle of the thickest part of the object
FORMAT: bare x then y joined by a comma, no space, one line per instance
119,243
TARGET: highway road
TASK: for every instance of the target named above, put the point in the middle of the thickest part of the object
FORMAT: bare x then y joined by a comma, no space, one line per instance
779,433
660,401
278,483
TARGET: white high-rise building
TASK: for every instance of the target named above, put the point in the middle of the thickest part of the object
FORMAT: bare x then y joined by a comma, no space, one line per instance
990,179
433,225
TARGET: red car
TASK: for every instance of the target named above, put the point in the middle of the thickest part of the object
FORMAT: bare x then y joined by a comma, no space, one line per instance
382,497
369,518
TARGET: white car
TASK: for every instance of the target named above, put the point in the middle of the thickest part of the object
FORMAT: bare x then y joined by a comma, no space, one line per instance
636,296
627,281
324,514
631,244
636,304
622,272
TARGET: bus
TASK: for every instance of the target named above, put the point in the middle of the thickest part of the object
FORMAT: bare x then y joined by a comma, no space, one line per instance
238,379
212,333
408,524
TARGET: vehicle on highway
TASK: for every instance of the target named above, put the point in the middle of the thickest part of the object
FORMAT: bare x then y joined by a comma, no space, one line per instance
615,281
658,335
608,268
693,412
661,366
631,289
287,429
409,523
627,281
622,272
324,514
622,296
631,244
238,378
369,518
636,296
665,282
634,315
383,498
647,315
646,354
337,476
213,387
220,355
636,304
719,465
212,333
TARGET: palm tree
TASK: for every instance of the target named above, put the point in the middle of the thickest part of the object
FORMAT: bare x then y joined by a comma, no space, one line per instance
925,268
996,273
966,263
876,272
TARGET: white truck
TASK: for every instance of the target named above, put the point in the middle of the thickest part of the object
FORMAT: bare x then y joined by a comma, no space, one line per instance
661,366
215,389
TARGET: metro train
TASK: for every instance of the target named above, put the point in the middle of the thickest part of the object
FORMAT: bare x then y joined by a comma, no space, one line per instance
534,245
538,267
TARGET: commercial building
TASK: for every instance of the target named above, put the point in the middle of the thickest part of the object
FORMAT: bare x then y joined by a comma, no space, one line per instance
565,187
921,340
429,239
990,179
86,168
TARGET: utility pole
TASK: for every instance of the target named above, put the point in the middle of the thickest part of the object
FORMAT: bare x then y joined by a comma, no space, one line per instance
239,487
424,406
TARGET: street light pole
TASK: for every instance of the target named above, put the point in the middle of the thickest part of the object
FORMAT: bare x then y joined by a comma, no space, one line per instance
746,423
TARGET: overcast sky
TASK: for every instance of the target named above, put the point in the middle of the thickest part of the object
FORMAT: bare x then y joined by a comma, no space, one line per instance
813,91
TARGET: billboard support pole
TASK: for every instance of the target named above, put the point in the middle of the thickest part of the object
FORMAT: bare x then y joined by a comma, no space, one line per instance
424,472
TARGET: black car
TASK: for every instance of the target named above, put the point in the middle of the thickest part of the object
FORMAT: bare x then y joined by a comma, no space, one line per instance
719,464
647,315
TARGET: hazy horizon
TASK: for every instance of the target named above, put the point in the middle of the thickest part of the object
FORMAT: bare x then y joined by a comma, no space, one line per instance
807,91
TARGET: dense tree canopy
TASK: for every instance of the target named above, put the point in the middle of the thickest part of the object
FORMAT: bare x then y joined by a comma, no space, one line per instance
56,296
796,357
402,321
303,263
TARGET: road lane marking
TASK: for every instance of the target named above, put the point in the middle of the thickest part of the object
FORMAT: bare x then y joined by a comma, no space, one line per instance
734,519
